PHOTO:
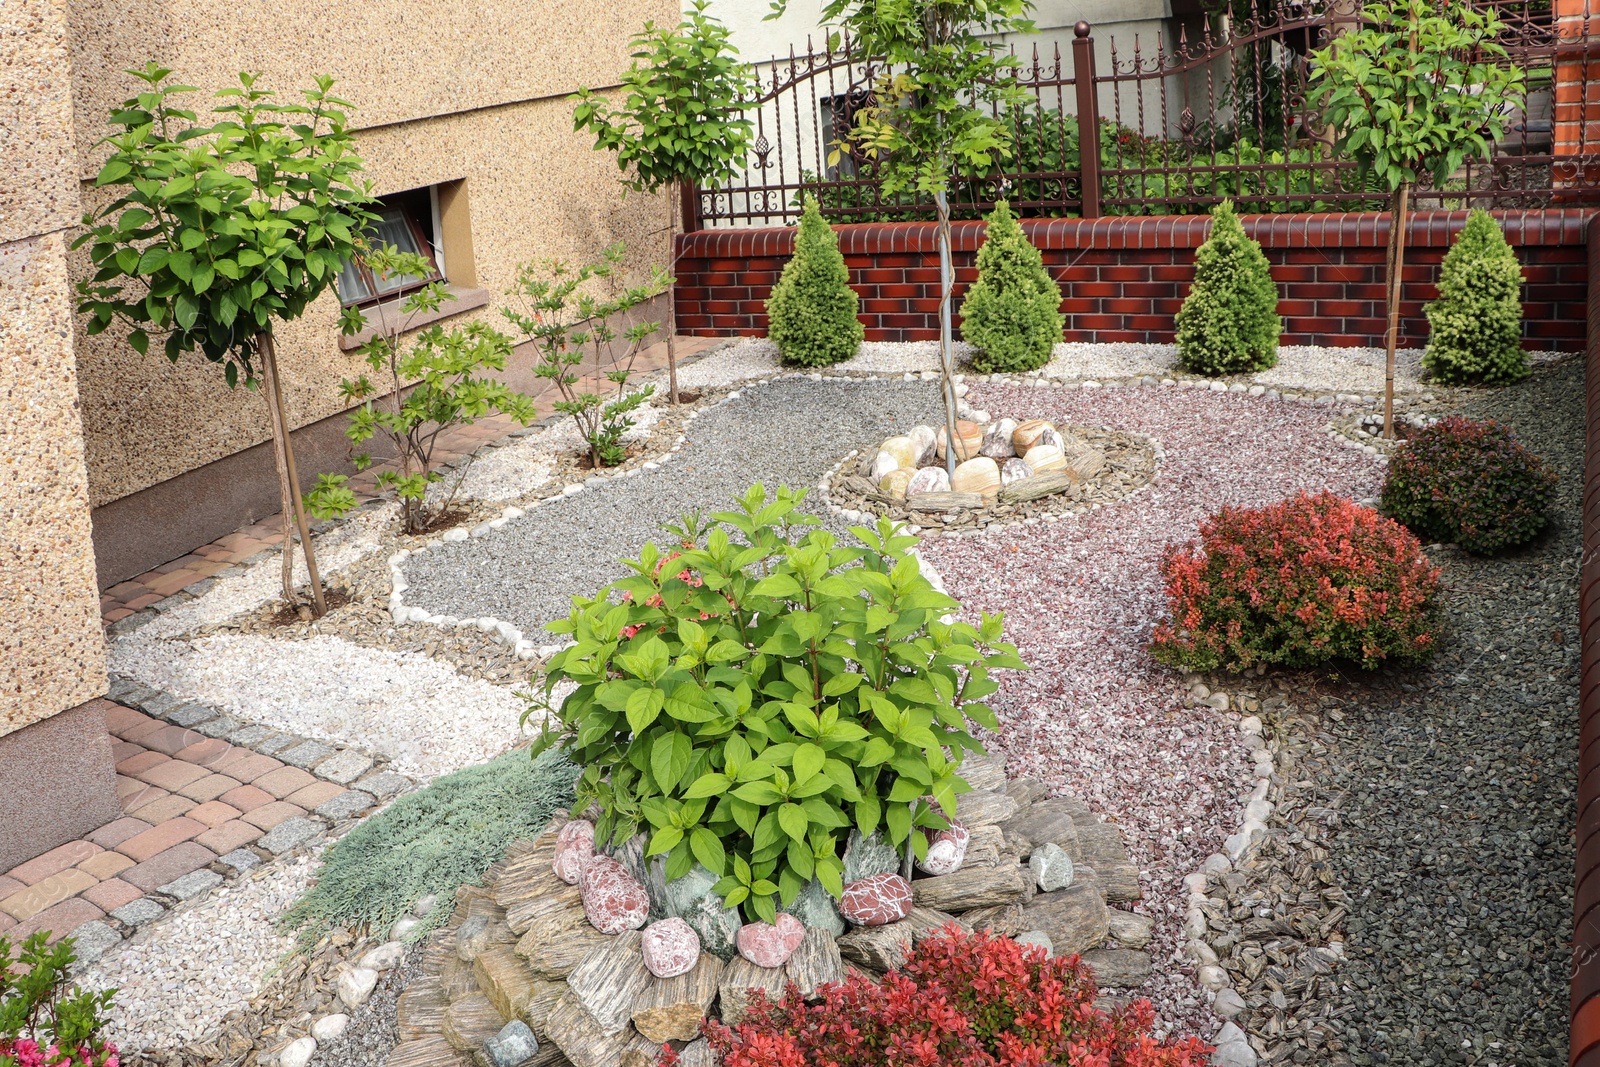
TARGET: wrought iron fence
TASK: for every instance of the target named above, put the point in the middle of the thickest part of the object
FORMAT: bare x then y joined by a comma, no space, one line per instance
1173,126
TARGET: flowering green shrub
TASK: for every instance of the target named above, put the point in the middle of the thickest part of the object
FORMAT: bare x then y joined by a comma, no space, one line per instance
1012,313
749,700
1229,321
44,1021
1470,483
811,314
1298,583
1475,327
969,999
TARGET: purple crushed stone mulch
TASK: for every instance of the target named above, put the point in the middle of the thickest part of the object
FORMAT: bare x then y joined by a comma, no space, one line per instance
1096,717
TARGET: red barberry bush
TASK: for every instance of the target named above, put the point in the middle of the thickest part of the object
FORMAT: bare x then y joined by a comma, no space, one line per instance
1470,483
972,1000
1295,584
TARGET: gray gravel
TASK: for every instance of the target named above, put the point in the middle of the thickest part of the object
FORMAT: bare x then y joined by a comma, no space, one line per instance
1456,787
786,432
373,1031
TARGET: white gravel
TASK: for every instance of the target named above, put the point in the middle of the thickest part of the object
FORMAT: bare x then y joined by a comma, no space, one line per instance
177,979
417,711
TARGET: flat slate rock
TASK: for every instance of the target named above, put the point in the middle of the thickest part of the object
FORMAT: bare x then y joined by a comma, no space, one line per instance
671,1009
1118,968
973,887
815,962
470,1021
426,1052
878,948
574,1031
1076,919
739,978
420,1009
610,979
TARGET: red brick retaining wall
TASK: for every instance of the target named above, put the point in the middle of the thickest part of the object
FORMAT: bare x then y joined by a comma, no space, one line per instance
1124,278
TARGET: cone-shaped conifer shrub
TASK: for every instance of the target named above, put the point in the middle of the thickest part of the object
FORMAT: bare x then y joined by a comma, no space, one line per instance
1229,324
1012,313
811,314
1476,324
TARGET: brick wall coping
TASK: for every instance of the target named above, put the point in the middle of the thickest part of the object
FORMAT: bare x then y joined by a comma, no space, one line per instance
1367,229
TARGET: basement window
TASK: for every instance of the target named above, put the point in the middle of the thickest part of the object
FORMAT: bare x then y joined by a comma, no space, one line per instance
405,220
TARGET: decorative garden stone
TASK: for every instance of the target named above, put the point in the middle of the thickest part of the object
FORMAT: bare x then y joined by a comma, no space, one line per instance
1041,458
997,440
926,443
718,926
928,480
1014,470
894,483
883,463
946,850
1051,867
1026,435
613,899
865,856
771,944
876,900
671,947
902,449
683,895
969,438
574,846
1051,437
816,909
979,475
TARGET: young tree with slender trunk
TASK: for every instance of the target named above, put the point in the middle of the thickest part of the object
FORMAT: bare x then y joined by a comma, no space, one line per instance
1418,89
679,125
219,232
945,79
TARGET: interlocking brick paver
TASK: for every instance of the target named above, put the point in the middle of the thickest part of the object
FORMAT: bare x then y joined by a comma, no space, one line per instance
105,865
55,861
345,767
172,775
280,783
8,886
158,811
138,732
60,920
209,788
160,838
245,765
116,614
51,891
164,867
121,720
230,836
271,815
141,797
134,766
213,813
121,750
205,752
247,798
111,894
171,583
139,603
138,912
6,922
171,739
191,714
315,795
115,833
347,804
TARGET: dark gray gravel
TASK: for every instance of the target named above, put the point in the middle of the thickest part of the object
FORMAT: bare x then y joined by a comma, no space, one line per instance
1456,786
373,1032
786,432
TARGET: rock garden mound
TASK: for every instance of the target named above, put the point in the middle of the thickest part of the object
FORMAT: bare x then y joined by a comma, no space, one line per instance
1005,471
521,977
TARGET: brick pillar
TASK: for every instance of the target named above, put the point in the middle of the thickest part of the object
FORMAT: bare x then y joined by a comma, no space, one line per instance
1576,93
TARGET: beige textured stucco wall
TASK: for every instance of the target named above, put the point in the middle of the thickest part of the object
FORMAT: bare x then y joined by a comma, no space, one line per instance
52,654
536,188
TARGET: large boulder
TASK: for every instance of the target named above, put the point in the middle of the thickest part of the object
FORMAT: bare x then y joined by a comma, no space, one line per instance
876,900
613,900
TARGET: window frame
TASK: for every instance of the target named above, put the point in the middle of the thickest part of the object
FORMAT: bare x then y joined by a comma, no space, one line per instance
426,247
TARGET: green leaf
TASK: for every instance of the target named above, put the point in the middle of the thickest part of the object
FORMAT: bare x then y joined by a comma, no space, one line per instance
708,785
808,761
707,848
794,822
669,758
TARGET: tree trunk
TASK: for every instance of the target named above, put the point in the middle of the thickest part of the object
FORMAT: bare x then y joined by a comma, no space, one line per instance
947,355
673,192
288,478
1396,266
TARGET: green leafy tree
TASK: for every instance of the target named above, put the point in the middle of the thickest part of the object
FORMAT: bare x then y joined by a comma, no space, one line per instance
946,87
1475,330
811,314
1012,314
1418,89
1229,323
39,1003
568,315
219,232
748,698
437,381
679,124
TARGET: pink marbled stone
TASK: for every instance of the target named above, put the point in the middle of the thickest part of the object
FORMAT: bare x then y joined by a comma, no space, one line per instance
671,947
946,850
613,899
574,845
876,900
769,944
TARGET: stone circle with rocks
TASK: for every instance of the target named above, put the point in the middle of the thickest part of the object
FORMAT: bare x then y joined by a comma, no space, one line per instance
523,975
1005,472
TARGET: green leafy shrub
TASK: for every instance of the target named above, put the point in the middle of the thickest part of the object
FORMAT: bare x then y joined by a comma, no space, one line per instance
429,842
811,313
1298,583
1012,313
1229,323
1470,483
45,1021
569,314
748,700
1475,327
